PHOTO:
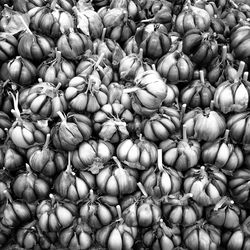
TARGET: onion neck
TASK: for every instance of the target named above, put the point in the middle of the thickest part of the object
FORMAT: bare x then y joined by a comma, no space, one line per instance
142,189
92,196
8,196
222,201
240,71
202,78
159,160
226,135
62,117
28,168
246,226
16,111
140,54
100,58
69,167
118,163
184,199
6,82
224,54
166,229
58,58
183,110
47,141
203,172
58,86
103,34
53,199
119,211
53,4
211,107
184,133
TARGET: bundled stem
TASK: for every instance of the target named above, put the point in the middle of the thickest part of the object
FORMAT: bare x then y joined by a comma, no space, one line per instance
221,202
16,111
62,117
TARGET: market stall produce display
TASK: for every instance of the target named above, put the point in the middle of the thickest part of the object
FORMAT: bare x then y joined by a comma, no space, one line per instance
124,124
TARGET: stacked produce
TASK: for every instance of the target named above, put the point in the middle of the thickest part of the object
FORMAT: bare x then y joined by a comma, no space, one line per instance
124,124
